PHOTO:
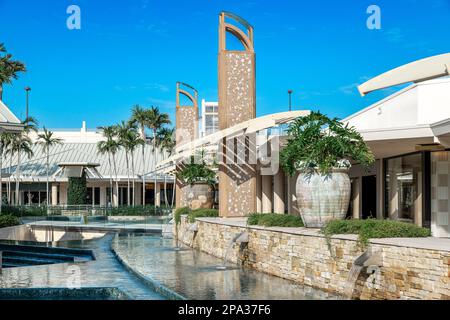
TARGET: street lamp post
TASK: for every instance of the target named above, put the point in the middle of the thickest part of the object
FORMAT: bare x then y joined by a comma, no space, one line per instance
27,90
290,100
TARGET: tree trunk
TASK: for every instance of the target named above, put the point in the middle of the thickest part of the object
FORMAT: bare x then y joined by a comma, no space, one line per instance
117,181
154,164
110,180
134,182
17,177
9,179
128,179
1,92
1,179
143,174
48,155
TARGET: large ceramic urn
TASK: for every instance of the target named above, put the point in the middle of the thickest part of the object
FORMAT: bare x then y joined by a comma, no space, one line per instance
323,197
200,195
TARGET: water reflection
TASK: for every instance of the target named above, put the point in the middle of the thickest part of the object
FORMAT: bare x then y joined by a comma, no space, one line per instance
105,271
195,275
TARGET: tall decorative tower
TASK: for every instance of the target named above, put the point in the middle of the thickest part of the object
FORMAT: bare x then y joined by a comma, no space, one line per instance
237,177
186,129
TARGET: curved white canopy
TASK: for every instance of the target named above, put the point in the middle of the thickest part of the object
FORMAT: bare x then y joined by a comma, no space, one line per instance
417,71
210,142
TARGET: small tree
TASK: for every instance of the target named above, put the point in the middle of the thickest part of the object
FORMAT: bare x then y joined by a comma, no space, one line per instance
318,143
76,192
197,171
47,140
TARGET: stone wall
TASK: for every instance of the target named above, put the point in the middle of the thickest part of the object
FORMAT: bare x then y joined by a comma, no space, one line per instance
304,256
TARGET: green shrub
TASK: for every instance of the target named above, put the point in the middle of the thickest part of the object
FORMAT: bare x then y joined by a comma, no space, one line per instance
274,220
198,213
76,191
179,212
22,211
8,221
375,228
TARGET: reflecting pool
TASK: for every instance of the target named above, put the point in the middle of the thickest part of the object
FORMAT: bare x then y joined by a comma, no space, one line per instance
194,274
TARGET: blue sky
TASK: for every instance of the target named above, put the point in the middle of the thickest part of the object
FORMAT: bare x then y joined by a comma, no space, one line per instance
133,52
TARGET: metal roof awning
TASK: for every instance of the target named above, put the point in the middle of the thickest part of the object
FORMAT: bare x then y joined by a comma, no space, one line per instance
8,121
76,169
210,143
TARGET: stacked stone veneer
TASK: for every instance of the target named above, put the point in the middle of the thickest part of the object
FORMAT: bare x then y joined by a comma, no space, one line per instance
302,255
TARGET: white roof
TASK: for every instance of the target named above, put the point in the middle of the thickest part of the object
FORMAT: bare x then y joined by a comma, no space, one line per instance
34,169
417,71
418,114
8,121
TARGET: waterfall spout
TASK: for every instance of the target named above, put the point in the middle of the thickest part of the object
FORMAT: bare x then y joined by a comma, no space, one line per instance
193,227
239,238
370,260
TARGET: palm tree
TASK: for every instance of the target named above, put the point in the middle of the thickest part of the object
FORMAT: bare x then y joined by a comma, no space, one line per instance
5,140
104,148
133,140
111,146
156,120
8,68
123,131
20,143
47,140
166,143
140,116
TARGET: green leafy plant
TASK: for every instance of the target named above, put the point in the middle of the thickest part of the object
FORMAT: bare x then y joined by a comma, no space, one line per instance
316,142
193,214
180,212
8,220
197,170
374,228
76,192
199,213
25,211
274,220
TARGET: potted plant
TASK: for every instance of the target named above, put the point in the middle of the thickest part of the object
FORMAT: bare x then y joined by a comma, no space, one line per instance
320,149
199,179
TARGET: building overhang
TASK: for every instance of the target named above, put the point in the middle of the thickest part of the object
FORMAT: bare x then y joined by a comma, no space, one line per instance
417,71
210,143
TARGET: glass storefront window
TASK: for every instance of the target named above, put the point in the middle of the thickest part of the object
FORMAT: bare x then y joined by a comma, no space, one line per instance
404,188
440,195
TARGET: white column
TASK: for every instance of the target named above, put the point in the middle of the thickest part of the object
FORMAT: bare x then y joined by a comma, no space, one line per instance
157,194
266,194
63,193
138,191
418,201
380,188
258,192
356,197
115,199
103,196
54,194
278,192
